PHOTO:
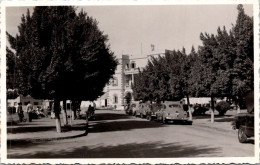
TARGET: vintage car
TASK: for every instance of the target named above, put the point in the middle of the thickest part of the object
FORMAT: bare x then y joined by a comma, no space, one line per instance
172,112
244,122
200,109
142,108
151,113
132,108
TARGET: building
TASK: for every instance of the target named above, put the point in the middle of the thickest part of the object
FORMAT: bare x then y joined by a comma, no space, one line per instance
24,100
120,84
122,81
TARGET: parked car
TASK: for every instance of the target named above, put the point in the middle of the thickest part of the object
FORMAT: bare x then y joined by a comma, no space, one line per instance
172,112
144,110
130,108
141,110
244,122
134,107
200,109
151,113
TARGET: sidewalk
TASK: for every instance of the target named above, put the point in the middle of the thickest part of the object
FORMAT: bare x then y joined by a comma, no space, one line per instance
44,129
221,123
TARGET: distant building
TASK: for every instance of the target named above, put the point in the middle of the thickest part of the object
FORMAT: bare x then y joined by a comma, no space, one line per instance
120,84
24,100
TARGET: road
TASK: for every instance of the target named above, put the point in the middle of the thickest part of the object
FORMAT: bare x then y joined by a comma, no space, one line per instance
116,135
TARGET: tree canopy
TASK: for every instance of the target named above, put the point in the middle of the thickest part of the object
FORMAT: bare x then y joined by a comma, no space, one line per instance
60,55
222,66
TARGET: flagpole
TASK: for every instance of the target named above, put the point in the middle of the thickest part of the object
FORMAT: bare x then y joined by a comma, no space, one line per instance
141,49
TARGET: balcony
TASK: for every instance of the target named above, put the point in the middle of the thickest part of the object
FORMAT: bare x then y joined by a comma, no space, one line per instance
131,71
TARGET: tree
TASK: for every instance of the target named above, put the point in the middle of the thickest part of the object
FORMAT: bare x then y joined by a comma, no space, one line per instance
209,67
243,70
128,98
62,55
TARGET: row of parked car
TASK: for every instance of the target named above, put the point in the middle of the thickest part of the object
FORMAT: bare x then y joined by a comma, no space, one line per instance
169,111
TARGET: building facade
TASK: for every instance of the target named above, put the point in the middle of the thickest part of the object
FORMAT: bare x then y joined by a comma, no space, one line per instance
120,84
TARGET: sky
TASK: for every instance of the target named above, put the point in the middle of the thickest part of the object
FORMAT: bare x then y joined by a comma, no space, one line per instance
132,29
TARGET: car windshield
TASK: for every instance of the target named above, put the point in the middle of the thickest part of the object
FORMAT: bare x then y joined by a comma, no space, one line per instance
174,106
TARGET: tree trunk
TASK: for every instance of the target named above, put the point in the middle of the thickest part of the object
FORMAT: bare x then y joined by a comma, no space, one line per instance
73,115
65,117
86,132
238,109
189,109
212,109
237,104
57,115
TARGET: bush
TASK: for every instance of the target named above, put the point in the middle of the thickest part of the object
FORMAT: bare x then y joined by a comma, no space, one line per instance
11,110
222,107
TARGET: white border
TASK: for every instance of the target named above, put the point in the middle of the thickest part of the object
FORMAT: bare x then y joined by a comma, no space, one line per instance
250,160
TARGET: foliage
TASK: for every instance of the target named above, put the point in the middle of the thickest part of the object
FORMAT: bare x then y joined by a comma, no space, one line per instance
222,107
12,94
10,69
59,54
128,98
222,67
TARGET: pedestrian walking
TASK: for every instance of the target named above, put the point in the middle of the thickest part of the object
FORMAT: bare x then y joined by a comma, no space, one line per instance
20,112
29,109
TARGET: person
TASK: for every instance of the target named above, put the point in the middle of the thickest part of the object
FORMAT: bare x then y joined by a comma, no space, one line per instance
20,112
90,112
40,112
93,112
52,111
29,109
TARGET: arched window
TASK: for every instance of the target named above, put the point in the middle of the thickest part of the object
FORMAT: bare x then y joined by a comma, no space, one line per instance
115,99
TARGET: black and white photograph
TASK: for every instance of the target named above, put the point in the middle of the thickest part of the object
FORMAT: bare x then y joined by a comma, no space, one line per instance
130,82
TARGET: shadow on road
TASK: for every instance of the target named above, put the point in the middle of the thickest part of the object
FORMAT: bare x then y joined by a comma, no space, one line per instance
27,129
110,116
207,116
131,150
122,126
224,120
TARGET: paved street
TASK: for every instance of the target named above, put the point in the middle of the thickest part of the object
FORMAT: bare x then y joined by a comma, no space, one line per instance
116,135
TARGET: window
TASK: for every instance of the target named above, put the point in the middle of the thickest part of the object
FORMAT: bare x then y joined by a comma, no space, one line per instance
35,103
15,103
115,99
114,82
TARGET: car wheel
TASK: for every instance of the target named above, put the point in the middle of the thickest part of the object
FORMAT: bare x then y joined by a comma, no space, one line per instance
134,114
242,135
